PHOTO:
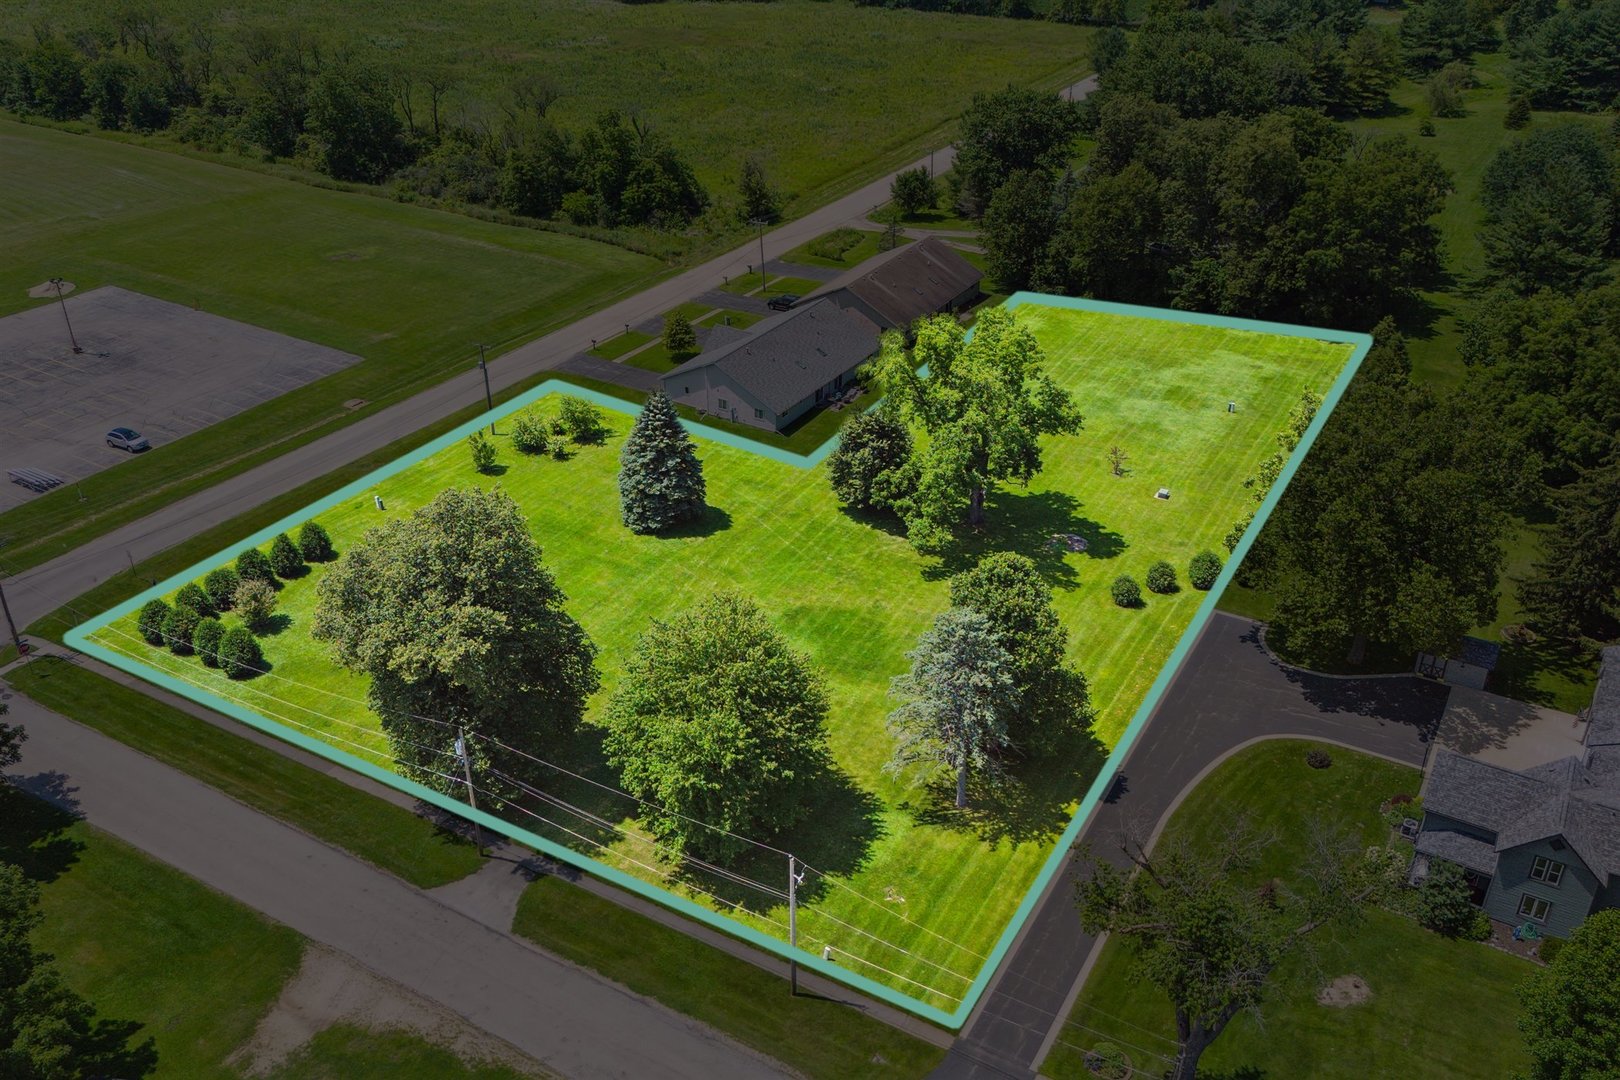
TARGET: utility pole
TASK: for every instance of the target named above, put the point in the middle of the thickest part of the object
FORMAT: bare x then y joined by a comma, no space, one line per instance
489,399
761,223
57,283
793,928
16,638
466,770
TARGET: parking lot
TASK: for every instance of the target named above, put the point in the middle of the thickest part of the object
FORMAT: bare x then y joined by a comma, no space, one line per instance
160,368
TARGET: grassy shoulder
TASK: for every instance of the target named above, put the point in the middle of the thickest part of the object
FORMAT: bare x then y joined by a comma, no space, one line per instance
841,249
818,1037
1438,1008
383,834
344,1051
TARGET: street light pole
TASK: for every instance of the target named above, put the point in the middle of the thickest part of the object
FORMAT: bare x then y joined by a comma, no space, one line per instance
793,928
56,283
489,399
761,223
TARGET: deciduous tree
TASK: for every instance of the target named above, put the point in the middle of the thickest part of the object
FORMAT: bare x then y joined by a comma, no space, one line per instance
913,190
719,720
679,337
1570,1014
984,406
1009,130
451,613
870,469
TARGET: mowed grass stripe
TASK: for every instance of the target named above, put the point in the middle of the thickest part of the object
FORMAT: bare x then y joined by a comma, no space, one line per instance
855,596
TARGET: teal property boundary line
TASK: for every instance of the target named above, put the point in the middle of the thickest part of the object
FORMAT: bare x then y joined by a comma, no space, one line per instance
80,638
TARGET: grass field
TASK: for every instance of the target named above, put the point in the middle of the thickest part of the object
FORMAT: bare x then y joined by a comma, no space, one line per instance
821,1038
410,290
827,96
855,596
855,246
1440,1008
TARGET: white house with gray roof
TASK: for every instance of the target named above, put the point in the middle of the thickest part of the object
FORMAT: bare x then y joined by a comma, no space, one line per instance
771,375
1539,845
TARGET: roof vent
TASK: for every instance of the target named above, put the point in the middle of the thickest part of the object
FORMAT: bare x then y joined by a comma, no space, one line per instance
1557,843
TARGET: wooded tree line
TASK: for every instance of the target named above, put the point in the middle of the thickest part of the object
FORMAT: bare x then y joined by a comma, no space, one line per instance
1218,181
288,94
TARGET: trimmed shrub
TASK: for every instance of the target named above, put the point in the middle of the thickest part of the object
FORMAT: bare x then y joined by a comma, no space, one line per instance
1126,592
254,565
530,434
1317,758
178,627
285,558
255,601
1161,577
239,654
315,545
221,587
1426,129
1549,949
483,451
205,641
1445,902
582,421
150,623
191,595
1109,1062
1202,571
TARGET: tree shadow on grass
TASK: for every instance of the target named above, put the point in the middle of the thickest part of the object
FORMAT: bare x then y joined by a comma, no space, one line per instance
1028,802
714,520
884,521
275,624
37,811
1025,522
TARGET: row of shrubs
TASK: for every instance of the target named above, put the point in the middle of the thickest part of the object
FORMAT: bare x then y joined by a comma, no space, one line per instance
1202,571
191,626
579,422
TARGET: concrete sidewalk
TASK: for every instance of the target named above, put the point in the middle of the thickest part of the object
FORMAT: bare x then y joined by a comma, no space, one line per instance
567,1018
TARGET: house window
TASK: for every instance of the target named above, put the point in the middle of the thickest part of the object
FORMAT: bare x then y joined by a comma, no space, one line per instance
723,404
759,414
1544,869
1534,907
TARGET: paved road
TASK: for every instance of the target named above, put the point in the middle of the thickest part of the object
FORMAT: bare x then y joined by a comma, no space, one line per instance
48,586
1228,692
562,1015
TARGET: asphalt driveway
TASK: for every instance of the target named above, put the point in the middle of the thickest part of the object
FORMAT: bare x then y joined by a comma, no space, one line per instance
1229,692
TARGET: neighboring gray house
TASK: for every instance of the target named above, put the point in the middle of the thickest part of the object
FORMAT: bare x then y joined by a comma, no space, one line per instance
1539,845
771,375
899,287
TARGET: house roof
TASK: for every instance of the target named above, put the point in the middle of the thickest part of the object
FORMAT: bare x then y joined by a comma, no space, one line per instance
1603,719
909,282
786,358
1566,798
1458,847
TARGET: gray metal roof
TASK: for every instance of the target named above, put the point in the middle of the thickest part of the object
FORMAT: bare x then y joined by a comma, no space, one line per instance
1457,847
909,282
787,358
1479,652
1568,798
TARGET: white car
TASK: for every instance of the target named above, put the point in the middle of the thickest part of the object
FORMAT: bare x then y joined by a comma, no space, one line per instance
123,438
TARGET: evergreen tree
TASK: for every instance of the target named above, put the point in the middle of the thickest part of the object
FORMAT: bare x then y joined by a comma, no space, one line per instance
679,337
958,697
285,558
221,584
191,595
660,478
315,544
150,623
252,565
1575,591
760,201
239,654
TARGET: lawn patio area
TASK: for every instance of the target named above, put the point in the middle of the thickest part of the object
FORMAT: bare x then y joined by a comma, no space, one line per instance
916,893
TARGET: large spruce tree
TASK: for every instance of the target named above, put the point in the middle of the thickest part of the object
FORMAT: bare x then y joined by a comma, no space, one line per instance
660,477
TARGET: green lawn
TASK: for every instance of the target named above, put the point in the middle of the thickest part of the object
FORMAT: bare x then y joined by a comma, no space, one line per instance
616,346
826,97
1439,1008
726,317
409,290
383,834
657,358
748,285
819,1037
855,596
854,247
